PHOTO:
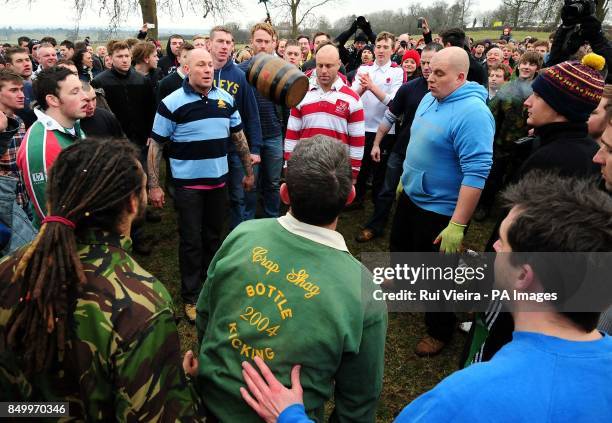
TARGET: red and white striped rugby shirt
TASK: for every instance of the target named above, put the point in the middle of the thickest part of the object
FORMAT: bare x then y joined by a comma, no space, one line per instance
337,113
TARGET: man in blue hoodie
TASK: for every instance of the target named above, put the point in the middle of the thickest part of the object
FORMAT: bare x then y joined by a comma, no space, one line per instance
447,163
233,80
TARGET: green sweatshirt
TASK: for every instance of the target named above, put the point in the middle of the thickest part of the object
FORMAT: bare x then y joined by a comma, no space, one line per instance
291,293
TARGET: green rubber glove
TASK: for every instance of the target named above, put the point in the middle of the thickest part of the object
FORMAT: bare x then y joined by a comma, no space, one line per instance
399,190
451,237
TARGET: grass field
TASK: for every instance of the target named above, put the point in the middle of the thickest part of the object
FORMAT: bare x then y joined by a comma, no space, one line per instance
406,375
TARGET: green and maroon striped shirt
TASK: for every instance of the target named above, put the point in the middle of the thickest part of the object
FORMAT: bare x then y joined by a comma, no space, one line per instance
43,142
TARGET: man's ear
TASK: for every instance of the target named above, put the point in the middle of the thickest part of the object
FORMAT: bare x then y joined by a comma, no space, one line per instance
284,194
133,203
52,100
351,195
526,278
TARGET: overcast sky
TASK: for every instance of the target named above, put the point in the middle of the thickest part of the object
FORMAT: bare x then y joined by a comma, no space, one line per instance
59,13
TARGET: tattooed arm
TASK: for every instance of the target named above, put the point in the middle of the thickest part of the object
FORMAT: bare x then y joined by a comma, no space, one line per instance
156,194
242,148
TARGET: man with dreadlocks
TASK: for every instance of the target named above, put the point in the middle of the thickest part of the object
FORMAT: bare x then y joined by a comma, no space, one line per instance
80,320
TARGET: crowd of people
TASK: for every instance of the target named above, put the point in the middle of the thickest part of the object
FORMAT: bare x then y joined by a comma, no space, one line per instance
442,130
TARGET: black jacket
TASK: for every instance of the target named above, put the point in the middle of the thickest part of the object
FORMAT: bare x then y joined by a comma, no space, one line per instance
102,124
168,85
169,62
477,71
131,98
565,148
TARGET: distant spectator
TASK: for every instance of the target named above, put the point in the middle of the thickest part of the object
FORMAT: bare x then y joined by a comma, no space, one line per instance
66,49
170,62
506,34
84,64
499,74
23,41
144,57
292,52
200,41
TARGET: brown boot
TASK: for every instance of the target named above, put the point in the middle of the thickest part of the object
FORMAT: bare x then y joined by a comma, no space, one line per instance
365,235
429,346
190,313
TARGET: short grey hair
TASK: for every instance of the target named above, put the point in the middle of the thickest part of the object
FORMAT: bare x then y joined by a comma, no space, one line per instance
319,179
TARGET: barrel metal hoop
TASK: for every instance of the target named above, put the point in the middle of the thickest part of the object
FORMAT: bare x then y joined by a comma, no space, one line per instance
255,71
279,75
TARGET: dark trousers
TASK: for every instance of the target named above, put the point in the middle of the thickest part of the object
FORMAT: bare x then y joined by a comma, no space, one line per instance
370,167
201,215
414,230
386,195
495,180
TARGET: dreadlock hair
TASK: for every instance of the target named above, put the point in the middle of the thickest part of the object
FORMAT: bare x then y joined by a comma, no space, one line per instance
89,184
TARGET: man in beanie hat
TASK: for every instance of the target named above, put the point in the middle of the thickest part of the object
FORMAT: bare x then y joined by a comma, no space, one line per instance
563,97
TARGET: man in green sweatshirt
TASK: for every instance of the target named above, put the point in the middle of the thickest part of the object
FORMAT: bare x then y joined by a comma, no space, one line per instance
288,291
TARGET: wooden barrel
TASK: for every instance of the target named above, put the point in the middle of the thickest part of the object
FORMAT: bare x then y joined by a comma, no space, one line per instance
277,80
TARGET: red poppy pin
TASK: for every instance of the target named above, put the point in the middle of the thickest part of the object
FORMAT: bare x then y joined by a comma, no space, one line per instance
388,80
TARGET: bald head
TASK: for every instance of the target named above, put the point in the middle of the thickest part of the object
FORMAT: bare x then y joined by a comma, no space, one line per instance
327,52
449,69
456,57
328,64
197,54
201,69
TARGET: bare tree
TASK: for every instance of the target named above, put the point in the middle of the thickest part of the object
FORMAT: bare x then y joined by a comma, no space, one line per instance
601,10
118,10
464,7
297,11
518,8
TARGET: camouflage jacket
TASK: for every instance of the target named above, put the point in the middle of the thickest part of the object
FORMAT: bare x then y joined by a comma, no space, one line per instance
124,361
509,113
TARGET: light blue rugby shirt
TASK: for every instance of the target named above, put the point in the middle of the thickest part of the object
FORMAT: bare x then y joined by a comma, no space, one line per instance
198,128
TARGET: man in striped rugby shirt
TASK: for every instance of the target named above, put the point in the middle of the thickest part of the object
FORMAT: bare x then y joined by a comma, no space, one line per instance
329,108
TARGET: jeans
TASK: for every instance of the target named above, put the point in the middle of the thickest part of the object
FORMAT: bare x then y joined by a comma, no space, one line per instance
201,214
386,195
370,167
13,217
268,180
236,193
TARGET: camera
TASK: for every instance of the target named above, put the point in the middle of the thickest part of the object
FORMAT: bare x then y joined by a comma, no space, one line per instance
361,22
574,11
403,44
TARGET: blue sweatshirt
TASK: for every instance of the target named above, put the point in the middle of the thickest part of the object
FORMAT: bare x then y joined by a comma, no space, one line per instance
534,378
270,122
451,144
232,79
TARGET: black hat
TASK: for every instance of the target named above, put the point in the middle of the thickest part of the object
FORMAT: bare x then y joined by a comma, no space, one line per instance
369,47
361,37
32,43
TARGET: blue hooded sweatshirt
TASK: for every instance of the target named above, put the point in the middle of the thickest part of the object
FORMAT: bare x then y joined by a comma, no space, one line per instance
233,80
451,144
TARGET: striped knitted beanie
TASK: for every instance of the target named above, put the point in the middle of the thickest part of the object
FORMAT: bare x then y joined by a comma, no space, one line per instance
573,89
